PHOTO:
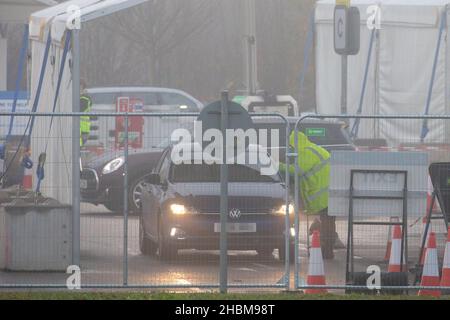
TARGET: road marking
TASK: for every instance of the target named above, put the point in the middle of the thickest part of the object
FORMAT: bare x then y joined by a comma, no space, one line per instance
184,282
264,266
245,269
132,252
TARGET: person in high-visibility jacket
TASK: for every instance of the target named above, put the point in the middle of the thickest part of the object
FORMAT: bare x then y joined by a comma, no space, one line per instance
85,121
314,176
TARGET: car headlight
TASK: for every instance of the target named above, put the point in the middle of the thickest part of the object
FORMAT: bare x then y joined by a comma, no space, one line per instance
179,209
282,210
113,165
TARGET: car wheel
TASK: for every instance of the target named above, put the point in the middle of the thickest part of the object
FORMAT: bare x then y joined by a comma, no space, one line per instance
135,194
265,253
282,253
146,246
167,251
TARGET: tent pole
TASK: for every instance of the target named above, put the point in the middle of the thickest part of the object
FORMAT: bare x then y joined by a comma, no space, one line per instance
344,82
76,147
355,129
442,27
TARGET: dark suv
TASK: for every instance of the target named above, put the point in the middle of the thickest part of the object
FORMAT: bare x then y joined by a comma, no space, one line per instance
332,136
181,209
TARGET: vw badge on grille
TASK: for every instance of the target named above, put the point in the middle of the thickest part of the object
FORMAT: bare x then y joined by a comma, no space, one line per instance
235,213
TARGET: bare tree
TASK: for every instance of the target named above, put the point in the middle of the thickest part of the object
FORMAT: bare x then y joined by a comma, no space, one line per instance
155,29
197,46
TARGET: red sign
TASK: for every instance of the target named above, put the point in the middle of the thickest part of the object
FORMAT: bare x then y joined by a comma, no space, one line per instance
135,124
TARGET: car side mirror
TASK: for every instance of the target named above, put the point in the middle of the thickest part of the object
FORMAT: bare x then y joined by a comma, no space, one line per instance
153,178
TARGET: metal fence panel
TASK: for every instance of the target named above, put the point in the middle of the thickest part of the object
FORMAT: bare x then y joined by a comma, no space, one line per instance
116,163
368,246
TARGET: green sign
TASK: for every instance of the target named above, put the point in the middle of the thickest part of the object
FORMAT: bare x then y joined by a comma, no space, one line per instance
448,181
239,99
315,132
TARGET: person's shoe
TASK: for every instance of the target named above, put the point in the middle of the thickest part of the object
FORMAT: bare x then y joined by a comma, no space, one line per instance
338,244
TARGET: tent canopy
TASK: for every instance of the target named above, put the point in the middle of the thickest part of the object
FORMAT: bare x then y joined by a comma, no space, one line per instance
56,17
393,12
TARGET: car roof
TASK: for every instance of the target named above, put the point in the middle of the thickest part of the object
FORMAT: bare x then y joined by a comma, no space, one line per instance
139,89
131,89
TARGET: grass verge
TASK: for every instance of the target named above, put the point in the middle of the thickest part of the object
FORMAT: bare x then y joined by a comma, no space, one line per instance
64,295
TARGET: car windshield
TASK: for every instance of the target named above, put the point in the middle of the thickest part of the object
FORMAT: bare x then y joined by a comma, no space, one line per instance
211,173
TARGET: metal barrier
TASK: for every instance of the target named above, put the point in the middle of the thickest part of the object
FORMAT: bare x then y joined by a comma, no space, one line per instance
371,236
110,256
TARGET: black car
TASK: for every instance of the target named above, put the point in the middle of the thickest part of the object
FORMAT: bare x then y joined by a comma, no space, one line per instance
101,179
181,205
333,136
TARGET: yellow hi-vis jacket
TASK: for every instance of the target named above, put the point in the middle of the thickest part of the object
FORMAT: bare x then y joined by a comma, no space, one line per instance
314,173
85,121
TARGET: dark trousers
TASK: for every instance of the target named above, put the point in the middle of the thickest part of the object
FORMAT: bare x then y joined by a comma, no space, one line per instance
327,234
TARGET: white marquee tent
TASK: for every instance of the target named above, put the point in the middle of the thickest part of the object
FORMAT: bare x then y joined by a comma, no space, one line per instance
60,149
400,72
61,142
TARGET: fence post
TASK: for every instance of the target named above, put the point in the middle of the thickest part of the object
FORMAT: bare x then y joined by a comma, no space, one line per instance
125,204
224,197
76,148
287,221
296,211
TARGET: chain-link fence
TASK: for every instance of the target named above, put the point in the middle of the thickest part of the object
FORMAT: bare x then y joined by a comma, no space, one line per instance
149,199
147,219
385,197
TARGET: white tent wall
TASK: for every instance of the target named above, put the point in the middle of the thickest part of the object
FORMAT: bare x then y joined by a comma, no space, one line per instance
3,63
406,58
58,168
400,70
57,181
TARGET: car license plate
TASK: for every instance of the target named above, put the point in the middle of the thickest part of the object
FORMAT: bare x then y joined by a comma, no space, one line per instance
237,227
83,184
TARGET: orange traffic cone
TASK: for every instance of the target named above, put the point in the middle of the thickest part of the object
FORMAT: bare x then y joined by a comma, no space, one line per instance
424,225
316,271
430,273
27,180
394,260
387,255
445,280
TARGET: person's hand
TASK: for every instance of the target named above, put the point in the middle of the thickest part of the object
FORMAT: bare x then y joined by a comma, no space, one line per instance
84,138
